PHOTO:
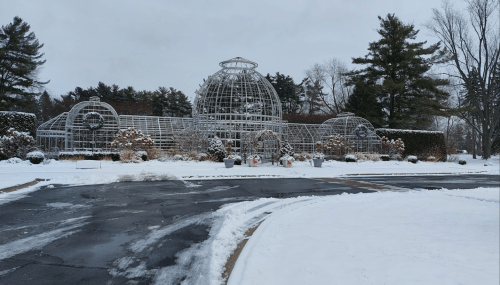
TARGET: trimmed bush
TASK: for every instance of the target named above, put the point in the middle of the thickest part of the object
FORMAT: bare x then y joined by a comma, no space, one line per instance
35,157
87,155
419,143
21,122
412,159
385,157
462,162
350,158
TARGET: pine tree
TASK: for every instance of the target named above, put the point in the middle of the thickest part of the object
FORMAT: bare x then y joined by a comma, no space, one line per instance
176,104
46,107
20,59
408,96
288,92
363,102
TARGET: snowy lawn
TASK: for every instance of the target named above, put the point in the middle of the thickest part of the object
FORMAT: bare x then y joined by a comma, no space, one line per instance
66,172
427,237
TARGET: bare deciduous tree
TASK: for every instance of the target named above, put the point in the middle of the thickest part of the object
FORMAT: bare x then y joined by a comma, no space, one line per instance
331,75
473,43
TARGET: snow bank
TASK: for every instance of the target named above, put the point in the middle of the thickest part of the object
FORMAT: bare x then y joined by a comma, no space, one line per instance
428,237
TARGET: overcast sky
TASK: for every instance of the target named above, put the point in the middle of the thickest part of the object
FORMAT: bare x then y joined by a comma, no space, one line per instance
152,43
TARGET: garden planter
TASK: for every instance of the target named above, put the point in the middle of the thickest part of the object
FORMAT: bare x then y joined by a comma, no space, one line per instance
317,162
229,162
253,162
287,163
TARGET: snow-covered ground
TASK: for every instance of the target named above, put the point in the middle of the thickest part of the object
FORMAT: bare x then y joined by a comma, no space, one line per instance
416,237
66,172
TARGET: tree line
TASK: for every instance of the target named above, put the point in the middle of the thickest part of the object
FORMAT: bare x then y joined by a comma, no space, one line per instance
400,83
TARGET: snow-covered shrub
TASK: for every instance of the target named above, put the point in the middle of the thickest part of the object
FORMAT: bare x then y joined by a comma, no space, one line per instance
154,153
367,156
335,144
412,159
318,155
35,157
88,155
319,151
22,122
417,142
452,158
350,158
392,147
132,139
462,162
286,149
286,158
431,158
178,157
237,159
385,157
255,157
302,156
128,155
15,144
216,150
143,154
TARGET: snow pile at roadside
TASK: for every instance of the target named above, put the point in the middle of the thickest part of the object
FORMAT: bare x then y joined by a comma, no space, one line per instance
202,263
416,237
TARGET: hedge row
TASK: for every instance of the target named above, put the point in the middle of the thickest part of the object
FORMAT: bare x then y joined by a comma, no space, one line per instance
89,156
21,122
419,143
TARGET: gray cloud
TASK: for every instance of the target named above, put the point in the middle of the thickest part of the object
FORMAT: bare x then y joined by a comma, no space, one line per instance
147,44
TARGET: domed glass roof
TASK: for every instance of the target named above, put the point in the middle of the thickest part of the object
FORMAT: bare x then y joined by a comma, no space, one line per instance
237,92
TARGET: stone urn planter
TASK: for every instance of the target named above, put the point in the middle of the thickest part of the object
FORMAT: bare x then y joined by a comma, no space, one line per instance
317,162
229,162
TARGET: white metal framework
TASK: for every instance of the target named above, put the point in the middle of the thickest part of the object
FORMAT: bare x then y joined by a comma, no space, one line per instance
358,133
237,100
235,103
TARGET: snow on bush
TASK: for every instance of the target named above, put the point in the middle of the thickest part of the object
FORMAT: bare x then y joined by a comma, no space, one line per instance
318,154
287,158
287,149
132,139
14,160
15,144
23,122
462,162
350,158
129,155
392,147
335,144
418,143
216,150
412,159
35,157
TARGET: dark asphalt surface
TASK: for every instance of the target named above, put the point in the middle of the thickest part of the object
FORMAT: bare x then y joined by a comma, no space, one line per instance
90,229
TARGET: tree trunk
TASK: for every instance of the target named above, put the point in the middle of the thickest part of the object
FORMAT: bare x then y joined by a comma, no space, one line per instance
486,144
473,139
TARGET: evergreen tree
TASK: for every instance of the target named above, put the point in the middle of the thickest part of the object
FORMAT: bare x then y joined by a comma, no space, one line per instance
177,104
363,102
288,92
46,107
408,96
20,59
